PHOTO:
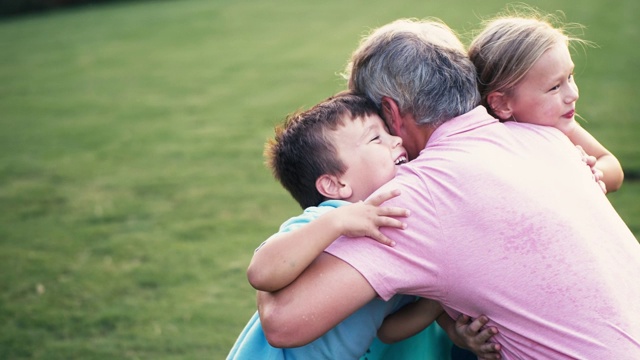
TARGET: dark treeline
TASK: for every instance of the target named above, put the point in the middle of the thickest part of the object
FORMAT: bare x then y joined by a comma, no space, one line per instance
12,8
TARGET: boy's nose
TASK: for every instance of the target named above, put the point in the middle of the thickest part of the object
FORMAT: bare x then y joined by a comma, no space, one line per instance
397,141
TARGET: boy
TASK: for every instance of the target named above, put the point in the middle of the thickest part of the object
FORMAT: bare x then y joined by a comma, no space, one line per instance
332,155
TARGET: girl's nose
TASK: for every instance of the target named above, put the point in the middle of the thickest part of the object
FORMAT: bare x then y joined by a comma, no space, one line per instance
573,93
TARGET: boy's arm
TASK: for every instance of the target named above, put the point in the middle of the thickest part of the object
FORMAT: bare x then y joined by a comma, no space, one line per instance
606,162
470,335
326,293
409,320
415,317
285,255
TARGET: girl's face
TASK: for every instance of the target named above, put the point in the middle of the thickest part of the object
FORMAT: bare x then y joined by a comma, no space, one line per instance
547,94
370,153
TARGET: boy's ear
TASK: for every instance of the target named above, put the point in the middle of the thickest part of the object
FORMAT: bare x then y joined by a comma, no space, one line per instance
391,115
499,104
331,187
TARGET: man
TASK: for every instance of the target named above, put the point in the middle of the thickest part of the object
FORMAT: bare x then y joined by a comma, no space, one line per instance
506,220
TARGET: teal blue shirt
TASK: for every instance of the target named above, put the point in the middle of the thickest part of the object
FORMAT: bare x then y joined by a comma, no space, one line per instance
350,339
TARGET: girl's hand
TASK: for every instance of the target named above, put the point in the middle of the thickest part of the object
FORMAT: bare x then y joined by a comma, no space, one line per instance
591,162
366,218
472,336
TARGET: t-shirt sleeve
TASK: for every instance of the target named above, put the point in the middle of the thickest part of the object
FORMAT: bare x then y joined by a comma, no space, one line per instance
308,215
413,266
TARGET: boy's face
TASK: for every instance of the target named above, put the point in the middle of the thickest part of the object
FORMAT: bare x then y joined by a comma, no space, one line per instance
547,94
370,154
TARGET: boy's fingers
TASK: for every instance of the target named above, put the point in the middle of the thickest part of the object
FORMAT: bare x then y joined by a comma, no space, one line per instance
478,323
491,354
390,222
487,334
382,238
491,349
463,319
393,211
382,197
491,357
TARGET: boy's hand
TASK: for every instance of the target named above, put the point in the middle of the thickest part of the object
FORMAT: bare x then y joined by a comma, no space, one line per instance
366,218
472,336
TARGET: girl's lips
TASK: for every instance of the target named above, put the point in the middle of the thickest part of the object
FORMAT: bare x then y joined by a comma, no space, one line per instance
570,114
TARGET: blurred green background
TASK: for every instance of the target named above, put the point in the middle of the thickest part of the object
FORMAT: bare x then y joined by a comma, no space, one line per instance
132,184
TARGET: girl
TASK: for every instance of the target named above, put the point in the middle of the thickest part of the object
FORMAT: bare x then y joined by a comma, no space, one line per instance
525,73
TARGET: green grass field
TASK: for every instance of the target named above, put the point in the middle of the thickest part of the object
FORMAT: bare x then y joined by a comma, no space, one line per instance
132,188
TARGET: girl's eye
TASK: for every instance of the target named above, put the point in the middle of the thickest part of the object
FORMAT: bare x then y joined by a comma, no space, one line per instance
376,138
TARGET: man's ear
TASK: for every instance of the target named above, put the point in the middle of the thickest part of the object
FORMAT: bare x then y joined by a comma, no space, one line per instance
499,104
331,187
391,115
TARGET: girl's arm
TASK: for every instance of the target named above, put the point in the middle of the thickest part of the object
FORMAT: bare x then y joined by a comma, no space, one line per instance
606,162
284,256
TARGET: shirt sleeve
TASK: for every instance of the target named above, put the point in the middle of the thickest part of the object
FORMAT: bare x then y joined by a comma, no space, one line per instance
308,215
413,266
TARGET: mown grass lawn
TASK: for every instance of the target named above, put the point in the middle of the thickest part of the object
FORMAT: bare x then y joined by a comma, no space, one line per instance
132,189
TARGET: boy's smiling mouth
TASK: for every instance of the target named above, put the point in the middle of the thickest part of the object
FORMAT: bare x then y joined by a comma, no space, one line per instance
402,159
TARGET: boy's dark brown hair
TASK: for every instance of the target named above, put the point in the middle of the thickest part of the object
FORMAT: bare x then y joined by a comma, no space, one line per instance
301,151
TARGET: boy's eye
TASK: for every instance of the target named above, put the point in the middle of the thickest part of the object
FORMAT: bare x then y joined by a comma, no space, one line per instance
555,88
375,138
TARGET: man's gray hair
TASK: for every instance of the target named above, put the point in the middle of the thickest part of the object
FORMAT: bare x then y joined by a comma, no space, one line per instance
421,64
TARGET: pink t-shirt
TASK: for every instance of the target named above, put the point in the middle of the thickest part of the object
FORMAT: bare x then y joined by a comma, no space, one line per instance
506,220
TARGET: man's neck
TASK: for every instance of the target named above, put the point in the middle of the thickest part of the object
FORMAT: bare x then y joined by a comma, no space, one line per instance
416,136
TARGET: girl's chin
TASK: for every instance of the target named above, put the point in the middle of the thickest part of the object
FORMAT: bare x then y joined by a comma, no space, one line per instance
567,125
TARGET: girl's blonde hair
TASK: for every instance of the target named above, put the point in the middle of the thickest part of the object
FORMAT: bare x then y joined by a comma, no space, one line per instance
510,44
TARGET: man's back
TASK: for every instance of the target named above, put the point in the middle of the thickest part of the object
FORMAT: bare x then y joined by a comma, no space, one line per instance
506,221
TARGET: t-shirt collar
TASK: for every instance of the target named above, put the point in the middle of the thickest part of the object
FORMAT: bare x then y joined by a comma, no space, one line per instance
474,119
